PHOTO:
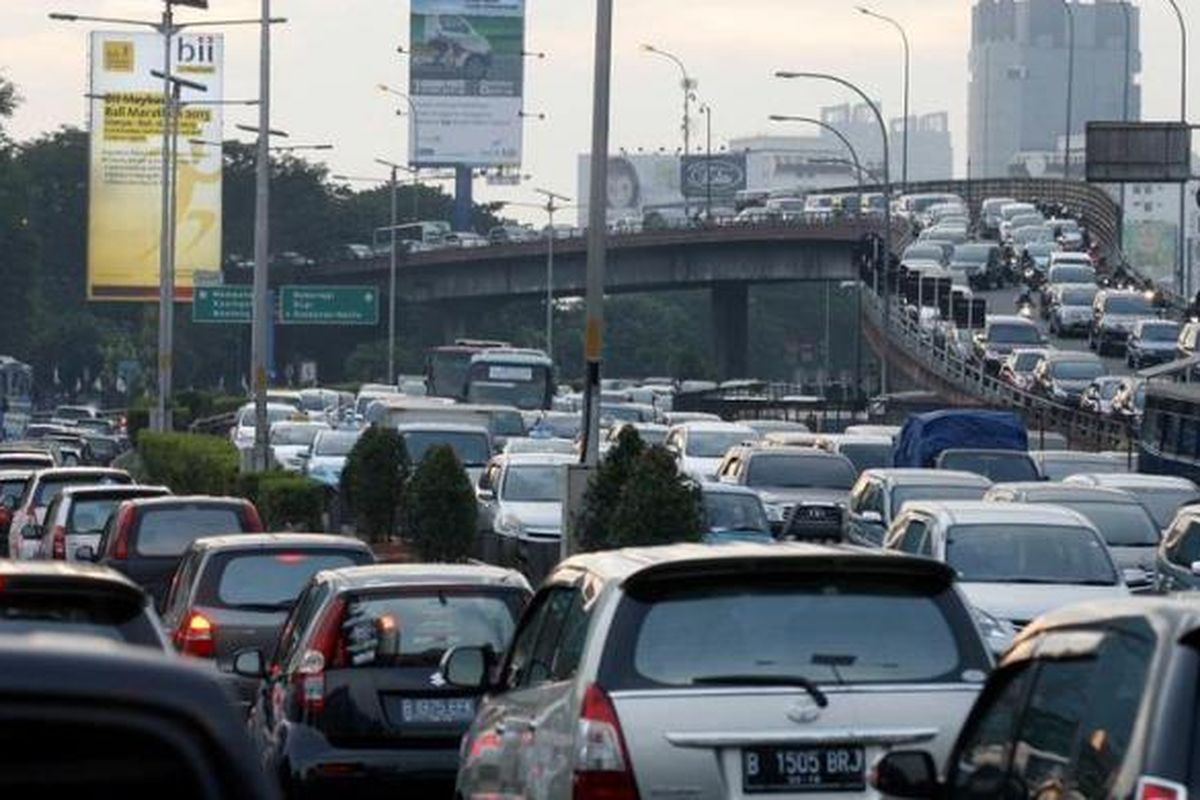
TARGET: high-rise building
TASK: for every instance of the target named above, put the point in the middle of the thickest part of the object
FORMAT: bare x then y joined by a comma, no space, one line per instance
1017,96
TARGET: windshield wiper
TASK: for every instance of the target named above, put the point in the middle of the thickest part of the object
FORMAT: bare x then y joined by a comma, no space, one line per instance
798,681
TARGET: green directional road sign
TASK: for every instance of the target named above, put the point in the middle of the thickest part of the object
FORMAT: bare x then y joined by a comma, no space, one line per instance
329,305
217,304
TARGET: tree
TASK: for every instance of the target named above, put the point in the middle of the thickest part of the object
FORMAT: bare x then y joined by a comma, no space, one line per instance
595,527
657,505
441,508
373,481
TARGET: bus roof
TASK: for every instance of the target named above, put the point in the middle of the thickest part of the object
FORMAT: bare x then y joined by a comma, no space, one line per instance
512,355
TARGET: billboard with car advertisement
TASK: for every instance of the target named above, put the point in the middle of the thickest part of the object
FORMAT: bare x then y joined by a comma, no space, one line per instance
125,164
722,175
466,82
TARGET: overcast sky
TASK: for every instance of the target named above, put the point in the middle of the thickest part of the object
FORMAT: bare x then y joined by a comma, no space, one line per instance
331,54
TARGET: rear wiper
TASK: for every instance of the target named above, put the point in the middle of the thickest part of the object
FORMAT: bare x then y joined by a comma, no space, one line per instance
284,605
765,680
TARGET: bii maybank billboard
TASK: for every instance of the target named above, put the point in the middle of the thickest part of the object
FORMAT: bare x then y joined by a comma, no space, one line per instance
125,181
467,78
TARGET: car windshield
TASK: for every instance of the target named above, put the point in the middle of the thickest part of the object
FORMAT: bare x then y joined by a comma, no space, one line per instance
1078,297
923,252
713,444
533,483
312,401
833,629
1121,524
800,472
563,426
903,494
91,515
972,253
867,455
1014,333
427,623
1128,304
83,612
299,435
1108,389
1025,362
273,580
335,443
1163,503
1007,553
1160,332
169,531
49,488
996,466
1082,370
471,448
1071,273
733,511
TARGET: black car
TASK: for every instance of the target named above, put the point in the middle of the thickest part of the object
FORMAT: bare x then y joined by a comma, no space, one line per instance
85,718
50,597
1096,701
353,697
145,539
234,592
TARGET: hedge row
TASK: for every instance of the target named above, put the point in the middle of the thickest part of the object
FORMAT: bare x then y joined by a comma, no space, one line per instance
285,501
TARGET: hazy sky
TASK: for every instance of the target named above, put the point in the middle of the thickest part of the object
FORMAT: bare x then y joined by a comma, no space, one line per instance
331,54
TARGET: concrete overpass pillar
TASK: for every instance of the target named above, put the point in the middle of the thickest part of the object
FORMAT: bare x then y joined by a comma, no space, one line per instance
731,329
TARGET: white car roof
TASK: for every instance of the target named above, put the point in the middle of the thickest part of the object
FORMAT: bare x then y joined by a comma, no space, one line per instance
979,512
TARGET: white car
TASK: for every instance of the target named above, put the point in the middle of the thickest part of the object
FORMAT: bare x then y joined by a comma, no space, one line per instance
327,456
242,432
291,442
520,502
700,446
1015,561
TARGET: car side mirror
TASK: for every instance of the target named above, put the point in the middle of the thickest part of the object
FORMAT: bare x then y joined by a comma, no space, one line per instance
486,495
304,455
85,553
467,667
31,532
248,664
1196,568
906,773
871,516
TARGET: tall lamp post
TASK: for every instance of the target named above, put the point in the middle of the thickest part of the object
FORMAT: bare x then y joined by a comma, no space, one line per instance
1070,85
1185,278
887,193
706,110
858,168
689,86
904,38
553,204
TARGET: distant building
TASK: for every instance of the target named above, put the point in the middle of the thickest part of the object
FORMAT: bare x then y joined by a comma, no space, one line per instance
930,154
1017,95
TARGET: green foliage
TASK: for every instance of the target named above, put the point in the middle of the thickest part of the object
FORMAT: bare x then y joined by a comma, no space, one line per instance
595,527
657,505
189,463
291,502
441,508
373,481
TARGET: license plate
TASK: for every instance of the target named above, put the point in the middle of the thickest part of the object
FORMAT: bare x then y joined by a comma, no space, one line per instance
437,710
803,769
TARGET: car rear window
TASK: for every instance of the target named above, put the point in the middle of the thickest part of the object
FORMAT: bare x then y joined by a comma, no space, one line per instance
57,610
997,467
1010,553
417,628
49,488
828,629
12,489
169,531
903,494
801,472
90,516
271,580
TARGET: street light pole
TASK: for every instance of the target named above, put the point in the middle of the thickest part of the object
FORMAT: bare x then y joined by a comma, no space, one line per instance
259,329
391,376
887,195
550,207
859,171
597,241
904,38
1070,84
706,110
1185,277
688,86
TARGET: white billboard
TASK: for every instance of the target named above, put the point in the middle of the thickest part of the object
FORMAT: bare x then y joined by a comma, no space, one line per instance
125,165
466,82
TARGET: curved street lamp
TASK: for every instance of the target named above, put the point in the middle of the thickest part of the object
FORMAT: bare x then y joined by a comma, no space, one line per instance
904,38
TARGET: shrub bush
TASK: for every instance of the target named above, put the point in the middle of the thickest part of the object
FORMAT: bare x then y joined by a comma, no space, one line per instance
657,505
595,531
373,482
189,463
290,502
441,508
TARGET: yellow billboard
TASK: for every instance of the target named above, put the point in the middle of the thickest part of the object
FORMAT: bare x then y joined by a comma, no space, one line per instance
125,172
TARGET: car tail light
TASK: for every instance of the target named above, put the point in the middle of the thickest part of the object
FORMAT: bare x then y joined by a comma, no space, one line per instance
325,651
122,526
5,518
194,637
58,543
251,519
603,771
1158,789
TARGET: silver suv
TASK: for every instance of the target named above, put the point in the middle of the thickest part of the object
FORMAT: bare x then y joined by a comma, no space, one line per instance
706,672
